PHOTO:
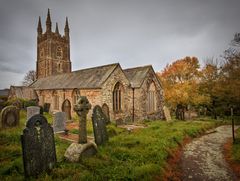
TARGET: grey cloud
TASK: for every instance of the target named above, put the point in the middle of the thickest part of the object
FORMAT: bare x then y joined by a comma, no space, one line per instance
131,32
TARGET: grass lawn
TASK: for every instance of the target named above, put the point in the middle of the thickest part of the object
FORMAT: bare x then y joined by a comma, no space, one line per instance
236,147
139,155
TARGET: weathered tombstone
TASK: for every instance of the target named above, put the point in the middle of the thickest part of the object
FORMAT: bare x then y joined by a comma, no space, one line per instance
105,110
41,110
59,122
46,107
99,125
81,108
32,110
9,117
38,146
167,113
83,148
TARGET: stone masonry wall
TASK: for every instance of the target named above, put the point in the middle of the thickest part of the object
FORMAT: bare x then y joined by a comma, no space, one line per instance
141,99
93,95
107,95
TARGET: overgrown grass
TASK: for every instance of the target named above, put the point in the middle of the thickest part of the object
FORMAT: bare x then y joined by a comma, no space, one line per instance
137,155
236,147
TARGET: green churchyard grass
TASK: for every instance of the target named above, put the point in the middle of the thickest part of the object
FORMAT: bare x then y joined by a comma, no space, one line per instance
236,147
140,154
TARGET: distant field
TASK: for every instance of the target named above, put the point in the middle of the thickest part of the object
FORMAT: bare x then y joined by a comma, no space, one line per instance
141,154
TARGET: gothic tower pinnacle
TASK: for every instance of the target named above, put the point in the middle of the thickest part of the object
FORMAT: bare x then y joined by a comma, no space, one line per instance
48,22
66,29
53,50
56,30
39,28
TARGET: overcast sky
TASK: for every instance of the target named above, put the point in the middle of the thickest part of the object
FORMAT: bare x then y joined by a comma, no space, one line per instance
131,32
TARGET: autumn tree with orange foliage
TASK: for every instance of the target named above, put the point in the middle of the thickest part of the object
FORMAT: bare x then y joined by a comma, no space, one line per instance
181,85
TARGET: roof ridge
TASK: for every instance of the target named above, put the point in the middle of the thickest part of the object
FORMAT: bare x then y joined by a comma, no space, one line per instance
144,66
62,74
107,65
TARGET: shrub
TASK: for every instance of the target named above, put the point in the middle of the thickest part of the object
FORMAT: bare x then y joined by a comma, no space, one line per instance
28,103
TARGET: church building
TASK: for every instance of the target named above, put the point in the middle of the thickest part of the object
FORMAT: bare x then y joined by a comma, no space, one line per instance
127,94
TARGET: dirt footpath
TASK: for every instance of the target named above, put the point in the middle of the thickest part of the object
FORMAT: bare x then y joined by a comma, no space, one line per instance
203,158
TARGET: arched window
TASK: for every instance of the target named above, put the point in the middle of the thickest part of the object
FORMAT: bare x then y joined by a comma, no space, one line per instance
117,97
75,96
55,100
151,98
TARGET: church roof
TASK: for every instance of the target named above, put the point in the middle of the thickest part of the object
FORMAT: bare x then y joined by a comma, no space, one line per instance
85,78
4,92
21,92
137,75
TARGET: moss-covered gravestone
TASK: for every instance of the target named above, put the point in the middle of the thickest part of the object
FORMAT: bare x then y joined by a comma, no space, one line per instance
83,148
9,117
81,108
99,125
38,146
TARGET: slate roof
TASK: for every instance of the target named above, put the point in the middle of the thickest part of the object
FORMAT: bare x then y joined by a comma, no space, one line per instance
4,92
137,75
85,78
22,92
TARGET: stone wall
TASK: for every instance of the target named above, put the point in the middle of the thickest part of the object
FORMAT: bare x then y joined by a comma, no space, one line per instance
107,94
46,96
141,99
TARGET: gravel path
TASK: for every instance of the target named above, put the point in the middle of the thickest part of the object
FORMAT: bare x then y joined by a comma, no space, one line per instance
203,159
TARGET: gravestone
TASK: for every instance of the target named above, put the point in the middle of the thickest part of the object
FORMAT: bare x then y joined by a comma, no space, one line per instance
105,110
59,122
81,108
167,113
38,146
32,110
9,117
99,125
46,107
83,148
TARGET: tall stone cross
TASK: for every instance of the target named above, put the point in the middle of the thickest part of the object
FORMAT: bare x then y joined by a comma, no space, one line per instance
81,108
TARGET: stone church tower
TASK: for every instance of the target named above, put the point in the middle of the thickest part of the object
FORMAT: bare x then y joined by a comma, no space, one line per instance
53,50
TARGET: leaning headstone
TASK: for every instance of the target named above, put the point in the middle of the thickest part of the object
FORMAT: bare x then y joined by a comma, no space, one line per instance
9,117
32,110
83,148
38,146
76,151
167,113
99,125
59,122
